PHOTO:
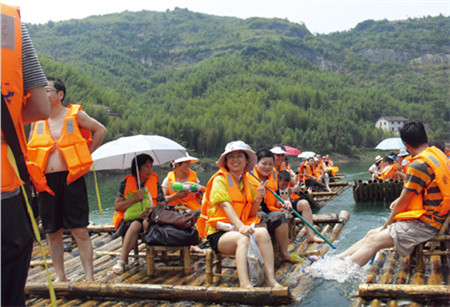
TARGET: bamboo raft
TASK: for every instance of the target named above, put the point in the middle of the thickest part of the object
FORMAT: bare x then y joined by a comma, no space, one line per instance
404,282
170,287
376,190
321,199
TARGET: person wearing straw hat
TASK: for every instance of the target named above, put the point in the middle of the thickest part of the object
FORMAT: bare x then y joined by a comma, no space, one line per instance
375,168
182,174
280,163
229,212
401,164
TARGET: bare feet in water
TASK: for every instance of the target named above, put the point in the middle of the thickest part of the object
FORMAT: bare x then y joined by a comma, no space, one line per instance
316,239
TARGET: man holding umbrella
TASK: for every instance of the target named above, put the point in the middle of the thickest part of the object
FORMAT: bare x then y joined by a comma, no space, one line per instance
62,147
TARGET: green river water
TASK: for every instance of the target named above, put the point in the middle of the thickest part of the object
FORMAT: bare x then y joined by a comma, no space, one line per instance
335,291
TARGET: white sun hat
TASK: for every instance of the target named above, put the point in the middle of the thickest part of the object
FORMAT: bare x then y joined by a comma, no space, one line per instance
239,146
278,150
403,153
186,158
378,158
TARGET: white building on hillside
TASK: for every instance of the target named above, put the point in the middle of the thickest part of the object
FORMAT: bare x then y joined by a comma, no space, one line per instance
391,123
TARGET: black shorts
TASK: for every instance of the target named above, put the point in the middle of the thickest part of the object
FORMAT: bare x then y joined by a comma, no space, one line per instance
123,227
214,240
273,219
69,208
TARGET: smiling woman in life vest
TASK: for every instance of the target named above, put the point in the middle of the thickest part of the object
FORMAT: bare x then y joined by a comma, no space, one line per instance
229,209
182,173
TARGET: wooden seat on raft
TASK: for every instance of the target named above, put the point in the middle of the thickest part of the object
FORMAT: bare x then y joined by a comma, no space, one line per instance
168,252
435,246
214,266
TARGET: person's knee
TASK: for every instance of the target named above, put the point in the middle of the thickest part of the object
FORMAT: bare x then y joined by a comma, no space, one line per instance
302,205
262,235
242,241
80,233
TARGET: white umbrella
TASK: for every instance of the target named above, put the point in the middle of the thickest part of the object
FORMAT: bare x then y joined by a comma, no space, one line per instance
119,153
391,144
307,154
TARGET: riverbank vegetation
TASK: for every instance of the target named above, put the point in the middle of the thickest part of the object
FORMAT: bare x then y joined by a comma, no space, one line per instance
205,80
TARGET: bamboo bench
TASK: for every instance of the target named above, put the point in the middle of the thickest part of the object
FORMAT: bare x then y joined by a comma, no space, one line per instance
214,266
184,256
440,240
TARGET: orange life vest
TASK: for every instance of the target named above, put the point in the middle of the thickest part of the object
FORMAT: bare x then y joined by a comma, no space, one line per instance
390,173
241,202
131,187
38,178
300,176
270,200
319,170
333,170
12,89
72,145
437,160
190,200
282,167
308,171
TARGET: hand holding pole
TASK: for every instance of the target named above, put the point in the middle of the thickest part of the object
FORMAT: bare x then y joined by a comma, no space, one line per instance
297,214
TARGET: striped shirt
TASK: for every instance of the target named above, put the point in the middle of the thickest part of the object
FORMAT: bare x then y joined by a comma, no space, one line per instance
420,180
33,75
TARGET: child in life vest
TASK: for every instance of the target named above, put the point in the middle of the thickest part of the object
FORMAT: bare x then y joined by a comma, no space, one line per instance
300,205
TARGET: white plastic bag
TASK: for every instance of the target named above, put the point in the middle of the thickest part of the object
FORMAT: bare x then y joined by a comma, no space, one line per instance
255,262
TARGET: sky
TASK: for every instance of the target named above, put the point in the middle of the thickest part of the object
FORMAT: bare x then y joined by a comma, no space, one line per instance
319,16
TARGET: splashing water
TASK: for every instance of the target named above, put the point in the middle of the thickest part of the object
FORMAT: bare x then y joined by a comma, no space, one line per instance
335,268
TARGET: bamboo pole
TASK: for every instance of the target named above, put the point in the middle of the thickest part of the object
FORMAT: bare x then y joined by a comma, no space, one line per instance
436,274
315,194
270,296
412,292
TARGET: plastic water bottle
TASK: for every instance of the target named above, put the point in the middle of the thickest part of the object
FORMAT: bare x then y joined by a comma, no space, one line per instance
225,226
186,186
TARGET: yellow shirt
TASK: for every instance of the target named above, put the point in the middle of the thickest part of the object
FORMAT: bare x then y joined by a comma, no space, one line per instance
219,193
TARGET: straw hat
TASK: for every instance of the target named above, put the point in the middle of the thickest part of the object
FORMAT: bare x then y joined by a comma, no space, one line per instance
378,158
236,146
186,158
278,150
402,153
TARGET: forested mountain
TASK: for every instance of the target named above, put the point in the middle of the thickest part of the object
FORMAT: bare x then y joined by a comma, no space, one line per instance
204,80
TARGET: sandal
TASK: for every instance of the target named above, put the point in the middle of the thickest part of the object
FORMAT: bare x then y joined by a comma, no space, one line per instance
295,258
119,267
314,258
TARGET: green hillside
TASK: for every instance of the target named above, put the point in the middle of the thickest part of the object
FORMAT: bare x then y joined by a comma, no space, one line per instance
205,80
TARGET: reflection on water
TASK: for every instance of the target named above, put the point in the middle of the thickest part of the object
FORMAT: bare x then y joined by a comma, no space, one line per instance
332,288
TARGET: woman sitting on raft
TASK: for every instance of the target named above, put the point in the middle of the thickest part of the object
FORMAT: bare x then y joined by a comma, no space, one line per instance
182,174
188,199
230,203
127,196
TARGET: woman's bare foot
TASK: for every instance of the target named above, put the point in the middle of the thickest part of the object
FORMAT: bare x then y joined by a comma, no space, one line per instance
273,284
316,239
196,249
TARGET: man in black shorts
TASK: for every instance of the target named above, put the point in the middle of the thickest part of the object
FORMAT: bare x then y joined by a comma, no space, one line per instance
60,147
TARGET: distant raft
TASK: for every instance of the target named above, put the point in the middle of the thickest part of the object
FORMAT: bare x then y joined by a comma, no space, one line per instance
376,190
